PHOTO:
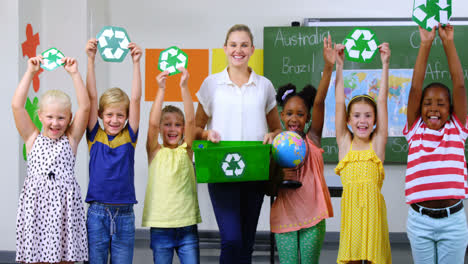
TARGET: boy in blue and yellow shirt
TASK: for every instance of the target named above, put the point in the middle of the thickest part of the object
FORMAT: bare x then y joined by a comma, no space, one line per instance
111,190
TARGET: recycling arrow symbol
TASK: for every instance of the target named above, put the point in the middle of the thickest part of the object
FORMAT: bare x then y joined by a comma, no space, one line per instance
233,165
113,43
172,58
428,13
361,45
52,58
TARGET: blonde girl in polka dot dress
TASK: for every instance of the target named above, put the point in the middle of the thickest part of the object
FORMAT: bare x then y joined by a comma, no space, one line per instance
50,225
364,228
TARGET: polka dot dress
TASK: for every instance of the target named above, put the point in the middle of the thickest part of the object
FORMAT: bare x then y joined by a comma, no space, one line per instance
50,225
364,228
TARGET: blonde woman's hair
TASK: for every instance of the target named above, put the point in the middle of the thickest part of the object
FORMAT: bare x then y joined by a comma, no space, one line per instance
113,96
239,27
55,96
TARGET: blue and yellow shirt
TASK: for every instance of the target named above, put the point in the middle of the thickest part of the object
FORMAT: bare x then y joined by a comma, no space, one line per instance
111,166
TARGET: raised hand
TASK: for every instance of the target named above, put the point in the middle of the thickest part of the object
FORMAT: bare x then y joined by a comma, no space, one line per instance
161,79
329,54
34,64
427,36
446,33
385,52
91,48
339,49
70,65
135,51
184,78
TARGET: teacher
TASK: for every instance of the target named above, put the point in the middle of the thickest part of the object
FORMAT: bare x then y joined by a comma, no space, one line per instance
237,104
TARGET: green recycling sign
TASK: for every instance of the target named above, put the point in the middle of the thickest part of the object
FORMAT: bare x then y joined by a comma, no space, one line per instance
52,59
172,58
361,45
233,165
428,13
113,43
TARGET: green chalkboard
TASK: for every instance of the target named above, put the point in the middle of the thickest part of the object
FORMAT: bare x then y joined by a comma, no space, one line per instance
294,55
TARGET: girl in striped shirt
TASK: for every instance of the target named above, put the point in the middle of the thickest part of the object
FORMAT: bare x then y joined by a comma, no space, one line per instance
436,173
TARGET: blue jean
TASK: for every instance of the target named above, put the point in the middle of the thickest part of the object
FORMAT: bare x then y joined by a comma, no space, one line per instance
237,208
110,228
184,240
437,240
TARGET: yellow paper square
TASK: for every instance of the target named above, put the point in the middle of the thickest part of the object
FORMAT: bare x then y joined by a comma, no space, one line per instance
219,61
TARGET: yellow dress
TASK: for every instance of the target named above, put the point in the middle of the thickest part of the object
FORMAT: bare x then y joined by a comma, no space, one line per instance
171,194
364,228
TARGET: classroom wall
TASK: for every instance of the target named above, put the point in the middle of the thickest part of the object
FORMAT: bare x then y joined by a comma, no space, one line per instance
157,24
9,152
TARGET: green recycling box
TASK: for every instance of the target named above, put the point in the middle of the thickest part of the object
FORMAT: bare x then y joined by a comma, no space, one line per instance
231,161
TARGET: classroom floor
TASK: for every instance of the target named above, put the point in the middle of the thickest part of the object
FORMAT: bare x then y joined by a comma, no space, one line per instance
401,254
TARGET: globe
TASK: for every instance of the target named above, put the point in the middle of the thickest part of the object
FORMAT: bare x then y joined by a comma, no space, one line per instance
289,149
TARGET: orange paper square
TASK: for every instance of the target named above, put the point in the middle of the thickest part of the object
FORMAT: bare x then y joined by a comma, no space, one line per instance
198,67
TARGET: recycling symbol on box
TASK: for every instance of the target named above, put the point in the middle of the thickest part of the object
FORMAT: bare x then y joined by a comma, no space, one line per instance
428,13
52,59
113,43
172,58
233,165
361,45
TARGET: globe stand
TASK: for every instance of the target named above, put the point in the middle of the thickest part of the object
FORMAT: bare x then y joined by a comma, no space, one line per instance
290,184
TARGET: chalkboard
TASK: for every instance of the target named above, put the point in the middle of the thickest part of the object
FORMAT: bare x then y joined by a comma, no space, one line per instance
294,55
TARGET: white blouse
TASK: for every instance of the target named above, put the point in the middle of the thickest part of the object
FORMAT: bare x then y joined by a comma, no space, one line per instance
237,113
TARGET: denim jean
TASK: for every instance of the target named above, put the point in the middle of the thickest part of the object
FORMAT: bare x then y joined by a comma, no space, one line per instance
184,240
110,228
237,208
437,240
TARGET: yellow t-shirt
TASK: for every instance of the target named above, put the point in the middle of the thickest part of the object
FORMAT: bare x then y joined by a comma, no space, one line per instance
171,194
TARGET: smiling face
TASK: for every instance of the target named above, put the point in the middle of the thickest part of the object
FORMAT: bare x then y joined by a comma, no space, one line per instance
238,48
114,117
361,119
435,107
172,129
295,115
55,118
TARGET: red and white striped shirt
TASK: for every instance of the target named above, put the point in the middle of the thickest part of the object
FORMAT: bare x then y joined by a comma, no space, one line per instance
436,162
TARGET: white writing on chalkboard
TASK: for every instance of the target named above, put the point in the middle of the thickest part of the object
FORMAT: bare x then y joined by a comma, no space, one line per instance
330,149
399,145
288,67
300,39
435,72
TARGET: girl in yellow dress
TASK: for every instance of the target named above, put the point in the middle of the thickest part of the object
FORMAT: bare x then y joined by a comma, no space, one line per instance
171,203
364,228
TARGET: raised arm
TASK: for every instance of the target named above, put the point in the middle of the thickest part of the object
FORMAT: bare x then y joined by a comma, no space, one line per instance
414,99
456,72
342,132
26,128
135,98
91,47
80,122
188,109
381,130
318,109
152,144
